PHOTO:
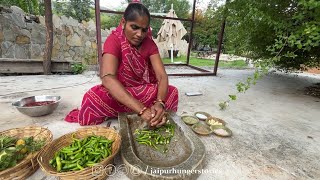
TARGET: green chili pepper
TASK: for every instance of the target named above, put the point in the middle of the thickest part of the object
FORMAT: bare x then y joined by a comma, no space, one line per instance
91,158
78,166
97,158
90,164
69,149
75,152
90,149
145,131
69,166
78,143
144,143
69,161
104,154
157,137
58,163
143,138
84,141
109,151
76,156
82,153
95,153
56,154
75,169
155,146
106,141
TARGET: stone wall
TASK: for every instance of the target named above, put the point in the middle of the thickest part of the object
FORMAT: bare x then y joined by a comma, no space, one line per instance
21,38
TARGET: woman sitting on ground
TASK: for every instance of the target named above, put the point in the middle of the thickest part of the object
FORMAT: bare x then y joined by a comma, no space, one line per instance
133,76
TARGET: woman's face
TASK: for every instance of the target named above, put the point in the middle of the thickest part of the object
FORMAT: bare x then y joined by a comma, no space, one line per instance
136,31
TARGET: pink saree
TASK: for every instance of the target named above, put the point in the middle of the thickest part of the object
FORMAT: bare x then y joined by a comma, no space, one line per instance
138,78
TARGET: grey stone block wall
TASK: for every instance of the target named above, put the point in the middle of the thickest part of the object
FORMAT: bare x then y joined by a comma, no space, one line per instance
72,41
19,39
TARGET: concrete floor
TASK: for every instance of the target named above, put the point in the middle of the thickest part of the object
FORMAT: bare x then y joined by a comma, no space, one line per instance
276,128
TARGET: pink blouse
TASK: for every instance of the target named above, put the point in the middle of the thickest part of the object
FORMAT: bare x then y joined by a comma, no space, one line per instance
112,46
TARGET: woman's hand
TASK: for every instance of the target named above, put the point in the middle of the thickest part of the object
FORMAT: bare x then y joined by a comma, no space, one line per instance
158,111
147,115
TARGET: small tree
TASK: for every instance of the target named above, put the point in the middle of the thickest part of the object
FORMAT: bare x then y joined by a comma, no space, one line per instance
77,9
28,6
206,29
275,33
285,32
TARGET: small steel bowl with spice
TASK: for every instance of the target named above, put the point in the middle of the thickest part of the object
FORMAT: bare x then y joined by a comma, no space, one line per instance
190,120
202,115
37,105
201,129
215,121
220,130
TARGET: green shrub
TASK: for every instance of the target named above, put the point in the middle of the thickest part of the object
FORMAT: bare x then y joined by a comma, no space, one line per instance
78,68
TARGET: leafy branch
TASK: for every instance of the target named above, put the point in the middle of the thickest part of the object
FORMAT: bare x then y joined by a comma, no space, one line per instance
262,69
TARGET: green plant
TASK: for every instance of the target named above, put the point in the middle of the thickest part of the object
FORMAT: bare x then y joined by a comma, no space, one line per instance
262,69
13,150
78,68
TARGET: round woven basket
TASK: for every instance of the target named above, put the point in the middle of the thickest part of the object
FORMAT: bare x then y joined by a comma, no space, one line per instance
99,171
29,164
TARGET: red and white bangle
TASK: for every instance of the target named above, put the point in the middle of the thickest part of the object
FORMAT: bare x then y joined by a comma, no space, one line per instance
142,111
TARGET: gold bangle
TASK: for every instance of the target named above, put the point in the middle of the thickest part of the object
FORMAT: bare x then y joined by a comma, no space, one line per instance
108,74
161,102
163,105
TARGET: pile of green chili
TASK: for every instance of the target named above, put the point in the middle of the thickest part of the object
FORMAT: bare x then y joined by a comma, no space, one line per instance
157,138
82,153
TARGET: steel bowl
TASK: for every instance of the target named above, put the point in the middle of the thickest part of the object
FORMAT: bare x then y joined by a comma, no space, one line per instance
39,110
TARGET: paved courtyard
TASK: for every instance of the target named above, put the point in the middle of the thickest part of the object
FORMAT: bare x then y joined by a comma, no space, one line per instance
276,127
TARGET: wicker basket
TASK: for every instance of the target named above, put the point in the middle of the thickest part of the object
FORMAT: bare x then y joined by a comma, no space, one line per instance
29,164
86,173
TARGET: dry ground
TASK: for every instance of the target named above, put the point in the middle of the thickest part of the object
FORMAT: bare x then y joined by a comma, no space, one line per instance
275,126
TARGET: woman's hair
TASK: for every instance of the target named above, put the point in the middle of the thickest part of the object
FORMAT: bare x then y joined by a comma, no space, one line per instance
134,10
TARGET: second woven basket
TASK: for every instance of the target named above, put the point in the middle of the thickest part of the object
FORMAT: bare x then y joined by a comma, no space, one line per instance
96,172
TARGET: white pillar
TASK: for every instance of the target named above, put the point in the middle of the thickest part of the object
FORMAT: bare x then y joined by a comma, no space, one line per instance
171,48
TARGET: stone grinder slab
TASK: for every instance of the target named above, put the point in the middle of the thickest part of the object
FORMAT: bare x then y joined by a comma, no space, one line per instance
186,152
